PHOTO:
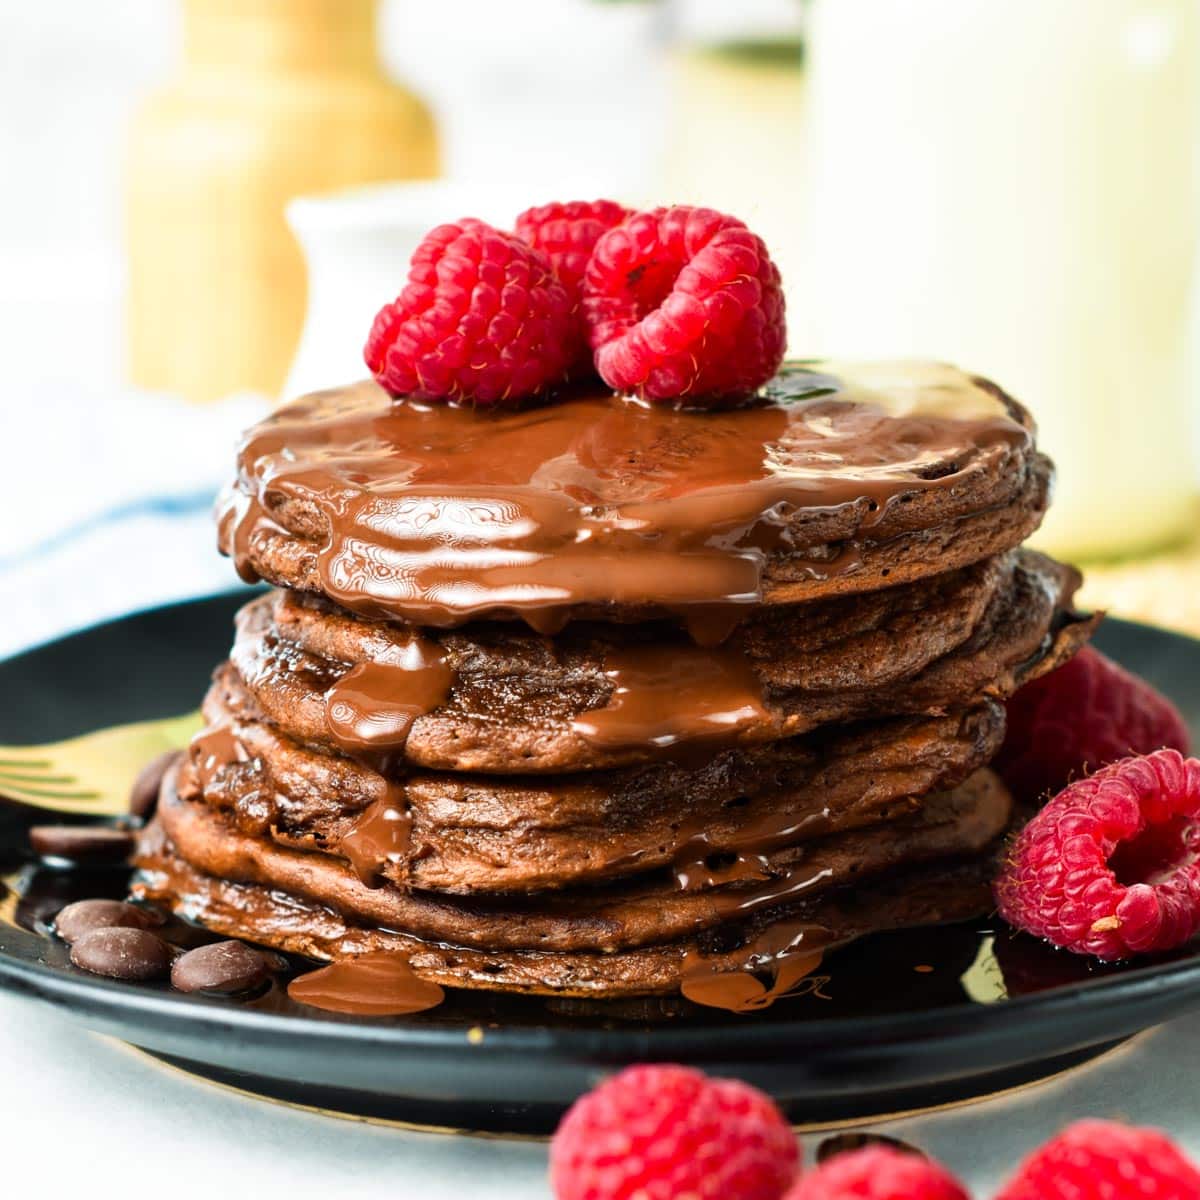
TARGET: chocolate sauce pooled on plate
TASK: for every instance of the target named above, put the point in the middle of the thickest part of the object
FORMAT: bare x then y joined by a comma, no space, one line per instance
372,707
376,984
664,695
381,835
437,515
787,954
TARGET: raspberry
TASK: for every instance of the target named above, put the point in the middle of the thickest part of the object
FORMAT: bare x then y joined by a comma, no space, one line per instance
1110,866
878,1173
662,1132
684,303
482,319
566,234
1087,713
1102,1160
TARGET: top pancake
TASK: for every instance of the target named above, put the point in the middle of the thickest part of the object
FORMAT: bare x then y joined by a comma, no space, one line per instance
841,479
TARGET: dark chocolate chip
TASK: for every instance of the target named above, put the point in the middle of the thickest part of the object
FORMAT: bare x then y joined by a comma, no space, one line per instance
143,796
225,967
85,915
77,843
122,954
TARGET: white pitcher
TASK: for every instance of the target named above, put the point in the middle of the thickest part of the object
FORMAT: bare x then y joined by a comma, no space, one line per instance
1012,184
357,245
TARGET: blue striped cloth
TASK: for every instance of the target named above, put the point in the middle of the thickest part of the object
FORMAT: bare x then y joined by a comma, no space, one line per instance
107,504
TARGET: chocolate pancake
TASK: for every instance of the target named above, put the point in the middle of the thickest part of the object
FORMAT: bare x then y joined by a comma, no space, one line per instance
764,944
598,696
462,833
843,478
652,908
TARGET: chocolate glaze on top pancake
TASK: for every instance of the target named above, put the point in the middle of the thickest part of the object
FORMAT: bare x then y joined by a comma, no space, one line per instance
516,702
841,478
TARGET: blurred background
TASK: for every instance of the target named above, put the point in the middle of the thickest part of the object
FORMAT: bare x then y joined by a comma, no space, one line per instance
205,201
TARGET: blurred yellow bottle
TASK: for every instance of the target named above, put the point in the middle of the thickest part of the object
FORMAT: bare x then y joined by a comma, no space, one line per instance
734,117
274,98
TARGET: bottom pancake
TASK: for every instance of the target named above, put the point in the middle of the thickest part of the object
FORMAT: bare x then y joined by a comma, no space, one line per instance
645,937
761,949
648,909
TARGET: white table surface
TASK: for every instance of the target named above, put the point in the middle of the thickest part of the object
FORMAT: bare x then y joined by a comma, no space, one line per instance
107,1121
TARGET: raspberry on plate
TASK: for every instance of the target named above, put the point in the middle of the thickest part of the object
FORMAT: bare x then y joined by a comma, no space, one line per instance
482,319
662,1132
1087,713
566,234
1104,1160
878,1173
1111,866
684,304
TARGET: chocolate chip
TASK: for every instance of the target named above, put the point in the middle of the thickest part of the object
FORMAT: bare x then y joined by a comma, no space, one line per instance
225,967
85,915
143,796
122,954
93,843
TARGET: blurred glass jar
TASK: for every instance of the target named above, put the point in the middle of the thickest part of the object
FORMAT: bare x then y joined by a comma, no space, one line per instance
736,79
275,98
1013,184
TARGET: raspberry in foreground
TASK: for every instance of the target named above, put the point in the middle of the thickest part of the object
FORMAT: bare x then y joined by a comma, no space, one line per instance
1110,866
1103,1160
662,1132
878,1173
566,235
482,319
1087,713
684,304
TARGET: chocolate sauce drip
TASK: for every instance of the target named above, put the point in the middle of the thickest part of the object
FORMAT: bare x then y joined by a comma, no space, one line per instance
665,695
438,515
213,750
700,864
785,955
381,835
377,984
373,706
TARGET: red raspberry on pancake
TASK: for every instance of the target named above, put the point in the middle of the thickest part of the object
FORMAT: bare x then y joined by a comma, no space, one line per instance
483,319
566,234
684,305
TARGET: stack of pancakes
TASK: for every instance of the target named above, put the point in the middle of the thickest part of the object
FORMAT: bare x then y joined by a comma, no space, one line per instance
600,699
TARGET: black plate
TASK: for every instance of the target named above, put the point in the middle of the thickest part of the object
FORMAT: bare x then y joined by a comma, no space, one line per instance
891,1027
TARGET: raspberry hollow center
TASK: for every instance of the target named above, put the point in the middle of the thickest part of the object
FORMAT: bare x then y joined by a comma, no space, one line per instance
1157,852
650,283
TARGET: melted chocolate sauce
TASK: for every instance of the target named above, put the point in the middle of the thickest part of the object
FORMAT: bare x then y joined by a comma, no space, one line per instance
214,749
381,835
785,954
378,984
700,863
373,706
437,514
664,695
